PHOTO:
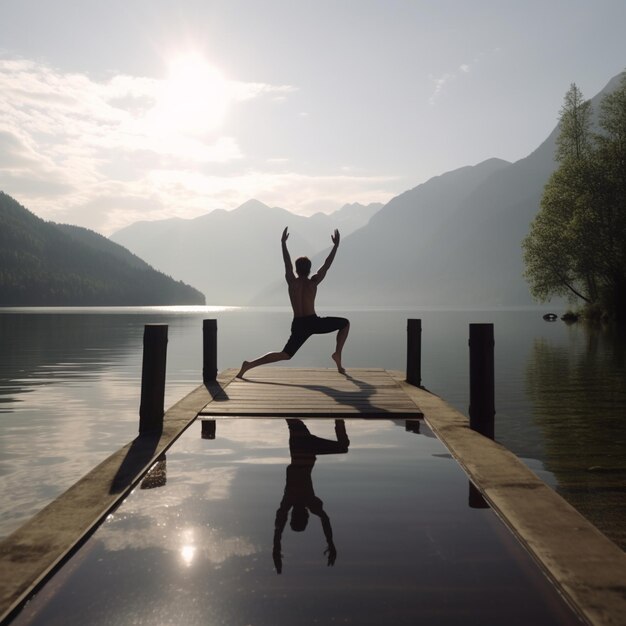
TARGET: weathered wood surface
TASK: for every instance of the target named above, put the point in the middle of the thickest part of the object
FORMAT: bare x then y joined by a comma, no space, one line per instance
300,392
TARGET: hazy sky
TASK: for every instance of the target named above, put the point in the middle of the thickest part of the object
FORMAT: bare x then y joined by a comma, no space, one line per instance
116,111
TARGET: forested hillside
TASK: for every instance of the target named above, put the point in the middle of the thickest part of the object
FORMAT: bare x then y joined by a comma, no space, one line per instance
47,264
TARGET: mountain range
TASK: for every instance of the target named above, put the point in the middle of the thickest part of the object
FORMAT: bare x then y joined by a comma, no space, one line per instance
48,264
232,255
454,240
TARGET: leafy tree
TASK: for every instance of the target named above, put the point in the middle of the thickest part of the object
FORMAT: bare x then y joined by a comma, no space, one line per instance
611,158
576,246
574,140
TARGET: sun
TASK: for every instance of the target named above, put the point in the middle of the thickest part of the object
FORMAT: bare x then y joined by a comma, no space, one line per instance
194,98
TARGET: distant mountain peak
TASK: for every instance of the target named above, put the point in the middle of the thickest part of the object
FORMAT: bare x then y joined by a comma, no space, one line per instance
252,205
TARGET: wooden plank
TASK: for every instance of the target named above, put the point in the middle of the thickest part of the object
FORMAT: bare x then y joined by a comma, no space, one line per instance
306,392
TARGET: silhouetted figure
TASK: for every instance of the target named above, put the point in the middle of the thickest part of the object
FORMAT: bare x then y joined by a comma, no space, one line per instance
299,494
302,292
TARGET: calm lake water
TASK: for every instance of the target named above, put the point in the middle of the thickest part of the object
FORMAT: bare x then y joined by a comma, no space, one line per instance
351,522
69,388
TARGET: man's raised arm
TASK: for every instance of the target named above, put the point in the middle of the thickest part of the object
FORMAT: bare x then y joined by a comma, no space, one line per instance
289,275
318,277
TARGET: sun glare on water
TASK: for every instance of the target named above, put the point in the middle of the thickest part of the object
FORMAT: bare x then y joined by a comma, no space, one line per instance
194,98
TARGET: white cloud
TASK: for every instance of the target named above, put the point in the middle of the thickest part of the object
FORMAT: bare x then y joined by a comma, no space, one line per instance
439,85
246,91
69,142
99,153
15,154
444,79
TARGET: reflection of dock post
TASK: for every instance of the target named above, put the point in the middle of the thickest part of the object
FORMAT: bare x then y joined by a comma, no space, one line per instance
482,405
157,476
475,499
412,426
151,409
209,350
414,352
208,429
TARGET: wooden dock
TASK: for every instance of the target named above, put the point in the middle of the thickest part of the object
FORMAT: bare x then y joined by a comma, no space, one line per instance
307,393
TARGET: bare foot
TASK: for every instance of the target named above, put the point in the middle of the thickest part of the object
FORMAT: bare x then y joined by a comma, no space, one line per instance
336,357
245,366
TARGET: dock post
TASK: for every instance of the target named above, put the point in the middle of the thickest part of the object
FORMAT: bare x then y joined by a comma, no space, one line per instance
209,350
414,352
482,405
151,409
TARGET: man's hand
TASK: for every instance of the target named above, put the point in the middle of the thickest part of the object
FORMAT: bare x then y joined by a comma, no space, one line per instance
331,551
289,275
278,559
318,277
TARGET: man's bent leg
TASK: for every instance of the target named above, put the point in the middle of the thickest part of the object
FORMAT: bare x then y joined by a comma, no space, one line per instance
342,335
270,357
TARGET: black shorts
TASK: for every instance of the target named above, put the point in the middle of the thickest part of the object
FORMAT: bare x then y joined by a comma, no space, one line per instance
303,327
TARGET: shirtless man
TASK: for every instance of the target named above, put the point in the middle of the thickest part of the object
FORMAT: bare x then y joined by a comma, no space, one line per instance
302,292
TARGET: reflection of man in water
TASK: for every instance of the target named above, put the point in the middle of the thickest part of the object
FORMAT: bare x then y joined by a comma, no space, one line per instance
302,292
299,494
